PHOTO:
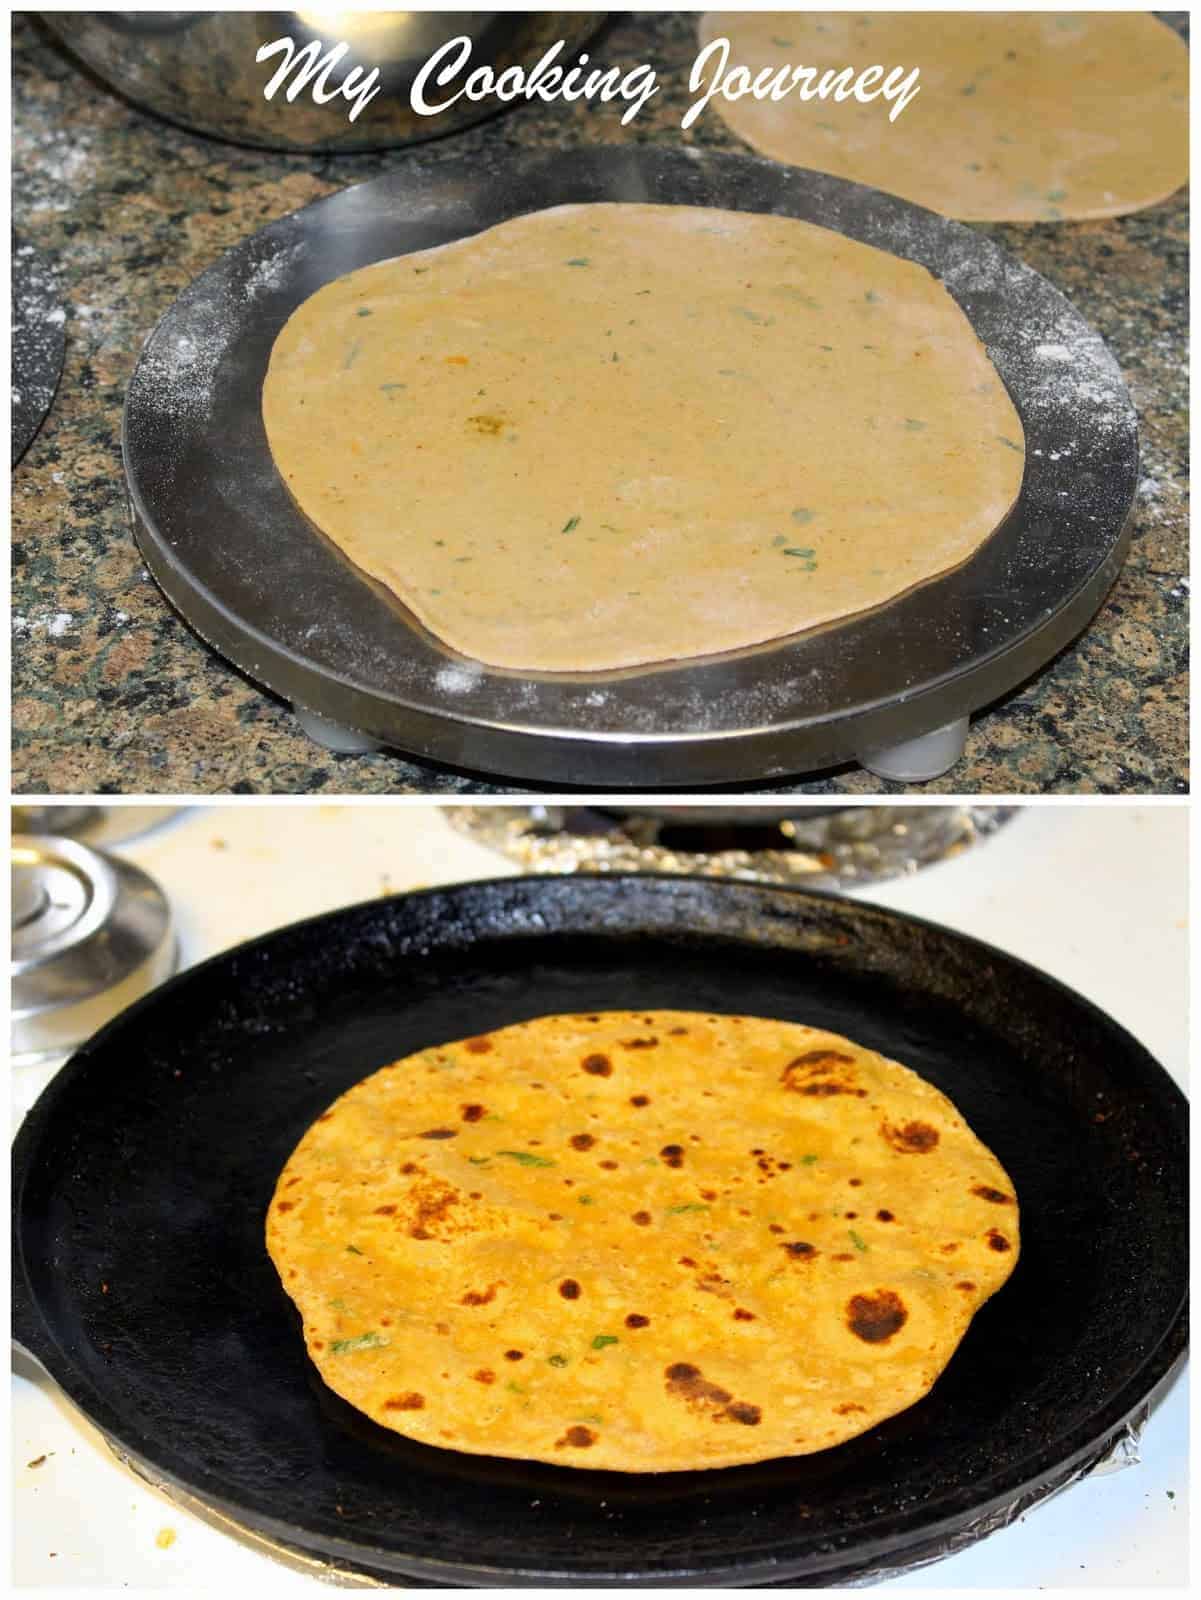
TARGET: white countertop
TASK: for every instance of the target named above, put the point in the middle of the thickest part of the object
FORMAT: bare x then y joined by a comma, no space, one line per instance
1096,895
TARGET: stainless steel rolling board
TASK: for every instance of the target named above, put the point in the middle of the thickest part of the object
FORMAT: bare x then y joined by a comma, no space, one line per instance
891,688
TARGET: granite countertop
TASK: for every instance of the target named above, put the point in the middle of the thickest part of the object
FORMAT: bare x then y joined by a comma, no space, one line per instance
112,692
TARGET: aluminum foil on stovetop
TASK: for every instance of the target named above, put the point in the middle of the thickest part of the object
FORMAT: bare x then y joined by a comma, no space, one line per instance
219,531
822,850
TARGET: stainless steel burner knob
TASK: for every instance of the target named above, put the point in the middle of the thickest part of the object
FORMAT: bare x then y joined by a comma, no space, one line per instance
90,934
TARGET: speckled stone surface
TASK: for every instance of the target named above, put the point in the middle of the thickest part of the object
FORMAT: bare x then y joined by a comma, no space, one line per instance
112,693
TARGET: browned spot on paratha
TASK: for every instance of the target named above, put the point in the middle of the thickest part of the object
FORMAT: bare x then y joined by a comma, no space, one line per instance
822,1073
874,1318
688,1383
431,1202
914,1139
998,1197
714,1283
740,1411
578,1437
599,1066
479,1046
405,1402
997,1240
800,1250
481,1297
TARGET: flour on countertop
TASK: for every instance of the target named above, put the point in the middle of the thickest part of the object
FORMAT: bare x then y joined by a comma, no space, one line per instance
56,624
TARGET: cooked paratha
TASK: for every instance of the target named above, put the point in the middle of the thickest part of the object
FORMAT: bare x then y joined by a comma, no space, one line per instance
640,1241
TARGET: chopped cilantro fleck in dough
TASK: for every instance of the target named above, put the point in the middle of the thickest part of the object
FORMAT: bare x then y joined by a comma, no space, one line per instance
364,1341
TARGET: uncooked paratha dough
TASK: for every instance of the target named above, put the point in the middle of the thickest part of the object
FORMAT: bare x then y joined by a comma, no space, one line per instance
645,1242
1021,116
608,434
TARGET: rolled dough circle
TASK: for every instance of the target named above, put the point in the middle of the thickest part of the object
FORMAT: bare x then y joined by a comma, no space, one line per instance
604,435
1020,116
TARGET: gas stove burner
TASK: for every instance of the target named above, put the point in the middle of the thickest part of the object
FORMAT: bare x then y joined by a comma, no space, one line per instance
831,847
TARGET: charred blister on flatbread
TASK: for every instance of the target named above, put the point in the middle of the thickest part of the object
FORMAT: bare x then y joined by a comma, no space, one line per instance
821,1073
800,1250
481,1297
688,1383
577,1437
428,1208
911,1139
405,1402
874,1318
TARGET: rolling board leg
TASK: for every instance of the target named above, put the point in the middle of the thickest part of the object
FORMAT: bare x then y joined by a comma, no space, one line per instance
918,760
335,736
